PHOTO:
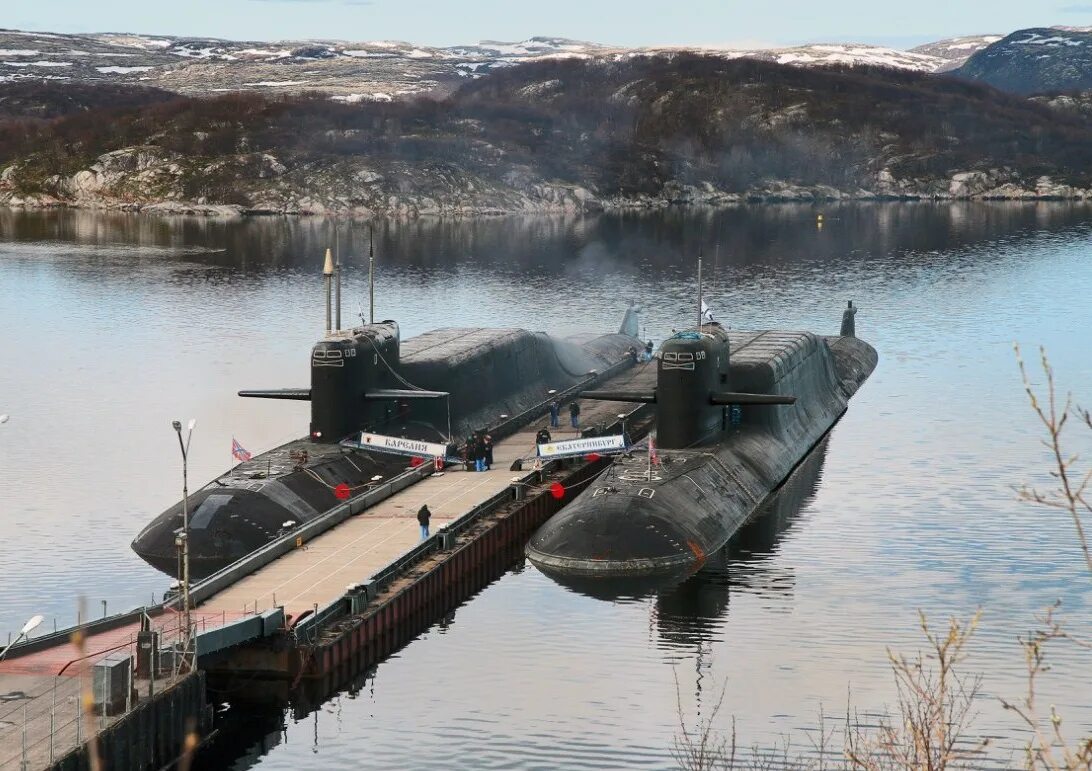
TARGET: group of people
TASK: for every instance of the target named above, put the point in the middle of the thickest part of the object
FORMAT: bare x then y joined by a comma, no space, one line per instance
555,414
479,452
645,355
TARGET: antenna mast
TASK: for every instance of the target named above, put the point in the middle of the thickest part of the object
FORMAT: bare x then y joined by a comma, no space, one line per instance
337,275
327,279
701,314
371,276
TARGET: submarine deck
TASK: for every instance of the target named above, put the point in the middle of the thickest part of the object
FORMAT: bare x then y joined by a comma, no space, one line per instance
317,573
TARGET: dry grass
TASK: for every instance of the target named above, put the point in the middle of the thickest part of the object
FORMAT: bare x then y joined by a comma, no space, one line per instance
930,731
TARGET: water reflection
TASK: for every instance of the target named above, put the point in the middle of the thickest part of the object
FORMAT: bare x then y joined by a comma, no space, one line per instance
690,609
113,324
692,613
769,236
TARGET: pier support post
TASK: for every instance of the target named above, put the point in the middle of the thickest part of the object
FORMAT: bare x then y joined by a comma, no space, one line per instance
52,719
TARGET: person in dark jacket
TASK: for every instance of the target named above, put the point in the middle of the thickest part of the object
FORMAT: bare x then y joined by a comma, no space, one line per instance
423,516
555,413
477,453
468,453
487,451
574,414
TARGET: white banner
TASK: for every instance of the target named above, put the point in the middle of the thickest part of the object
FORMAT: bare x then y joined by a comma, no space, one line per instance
398,445
607,444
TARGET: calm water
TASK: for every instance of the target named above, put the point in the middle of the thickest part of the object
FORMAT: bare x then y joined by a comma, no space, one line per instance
113,325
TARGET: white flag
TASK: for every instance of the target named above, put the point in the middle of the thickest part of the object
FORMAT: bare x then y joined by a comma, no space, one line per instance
706,311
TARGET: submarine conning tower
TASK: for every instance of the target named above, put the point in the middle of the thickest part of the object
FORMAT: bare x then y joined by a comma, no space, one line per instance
693,382
345,366
692,365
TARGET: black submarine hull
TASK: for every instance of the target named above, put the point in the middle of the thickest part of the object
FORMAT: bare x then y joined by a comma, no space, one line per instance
487,372
642,519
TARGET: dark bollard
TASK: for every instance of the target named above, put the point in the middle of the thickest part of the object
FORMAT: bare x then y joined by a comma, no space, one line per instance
849,327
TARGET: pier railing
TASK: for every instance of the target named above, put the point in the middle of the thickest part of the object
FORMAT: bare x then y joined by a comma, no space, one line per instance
309,628
290,541
57,711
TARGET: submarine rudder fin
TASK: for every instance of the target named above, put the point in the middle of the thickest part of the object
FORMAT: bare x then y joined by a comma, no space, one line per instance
631,322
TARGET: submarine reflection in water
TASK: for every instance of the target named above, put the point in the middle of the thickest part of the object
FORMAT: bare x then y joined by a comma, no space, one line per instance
691,605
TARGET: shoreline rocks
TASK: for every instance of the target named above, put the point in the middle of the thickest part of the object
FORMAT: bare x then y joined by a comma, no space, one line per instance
151,180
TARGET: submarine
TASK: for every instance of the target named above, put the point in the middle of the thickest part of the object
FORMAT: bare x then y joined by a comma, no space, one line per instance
736,412
445,383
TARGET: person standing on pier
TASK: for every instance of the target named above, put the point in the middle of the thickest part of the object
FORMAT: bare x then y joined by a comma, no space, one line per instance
423,516
487,451
555,412
574,414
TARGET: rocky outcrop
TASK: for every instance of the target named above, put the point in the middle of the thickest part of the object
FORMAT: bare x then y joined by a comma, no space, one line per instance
151,180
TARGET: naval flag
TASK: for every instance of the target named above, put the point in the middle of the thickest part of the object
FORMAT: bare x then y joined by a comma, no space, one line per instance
238,451
706,311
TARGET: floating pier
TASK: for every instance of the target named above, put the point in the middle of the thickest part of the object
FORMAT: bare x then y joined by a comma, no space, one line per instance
314,608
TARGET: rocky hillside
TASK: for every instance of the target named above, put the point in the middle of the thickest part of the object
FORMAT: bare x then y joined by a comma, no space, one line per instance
1077,104
954,51
1035,61
560,134
376,70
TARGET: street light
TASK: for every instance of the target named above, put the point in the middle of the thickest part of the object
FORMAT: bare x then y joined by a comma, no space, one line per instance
185,535
28,627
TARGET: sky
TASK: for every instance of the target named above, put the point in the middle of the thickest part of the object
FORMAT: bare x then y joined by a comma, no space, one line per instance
621,22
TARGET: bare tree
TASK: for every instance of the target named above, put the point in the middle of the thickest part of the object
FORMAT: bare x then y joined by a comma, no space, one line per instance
935,710
1048,748
1071,494
703,748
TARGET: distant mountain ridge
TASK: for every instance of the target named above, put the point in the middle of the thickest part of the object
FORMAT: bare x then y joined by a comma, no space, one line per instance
556,134
1035,60
375,70
955,50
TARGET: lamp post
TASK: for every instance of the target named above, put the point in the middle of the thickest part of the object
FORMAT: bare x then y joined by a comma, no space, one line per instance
185,535
28,627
